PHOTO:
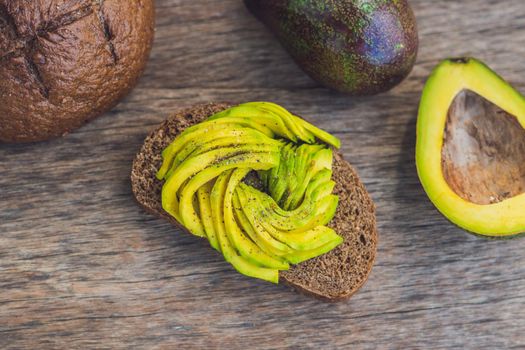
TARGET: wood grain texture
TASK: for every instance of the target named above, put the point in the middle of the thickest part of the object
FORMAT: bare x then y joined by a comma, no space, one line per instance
82,266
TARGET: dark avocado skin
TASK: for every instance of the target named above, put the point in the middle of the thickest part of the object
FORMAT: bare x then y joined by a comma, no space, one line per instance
353,46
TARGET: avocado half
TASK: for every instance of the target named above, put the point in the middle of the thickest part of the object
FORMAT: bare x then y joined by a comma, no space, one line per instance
470,151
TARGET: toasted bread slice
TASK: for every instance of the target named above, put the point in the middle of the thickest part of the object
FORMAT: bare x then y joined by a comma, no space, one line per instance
333,276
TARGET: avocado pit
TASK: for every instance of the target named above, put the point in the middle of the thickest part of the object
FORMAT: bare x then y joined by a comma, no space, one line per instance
483,154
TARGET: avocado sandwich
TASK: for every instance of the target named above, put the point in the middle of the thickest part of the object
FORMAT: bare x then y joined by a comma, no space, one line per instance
267,189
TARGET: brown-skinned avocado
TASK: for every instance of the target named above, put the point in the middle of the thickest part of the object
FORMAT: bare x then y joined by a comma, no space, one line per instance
356,47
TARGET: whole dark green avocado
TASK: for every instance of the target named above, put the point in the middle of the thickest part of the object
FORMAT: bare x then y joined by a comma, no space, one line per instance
360,47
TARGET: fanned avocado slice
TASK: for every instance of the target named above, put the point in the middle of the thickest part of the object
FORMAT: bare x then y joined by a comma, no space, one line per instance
186,214
200,131
277,248
279,180
252,114
470,150
259,233
205,213
324,212
303,255
297,129
312,212
227,248
300,156
316,161
319,133
216,139
306,240
247,248
262,241
319,187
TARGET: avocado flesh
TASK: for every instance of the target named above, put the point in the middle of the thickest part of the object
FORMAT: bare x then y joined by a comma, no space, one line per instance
320,134
296,169
204,193
298,166
279,180
286,183
189,216
228,250
320,186
470,148
232,137
300,256
300,156
201,131
247,248
322,159
203,171
262,239
208,166
296,128
311,213
269,120
277,119
298,241
326,211
275,246
317,242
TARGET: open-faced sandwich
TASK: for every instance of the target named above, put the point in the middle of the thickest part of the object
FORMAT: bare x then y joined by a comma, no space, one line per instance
267,189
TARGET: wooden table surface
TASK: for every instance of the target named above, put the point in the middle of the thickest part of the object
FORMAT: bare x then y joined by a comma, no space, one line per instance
82,266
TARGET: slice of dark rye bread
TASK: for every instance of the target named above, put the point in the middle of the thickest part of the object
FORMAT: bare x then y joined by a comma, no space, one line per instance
333,276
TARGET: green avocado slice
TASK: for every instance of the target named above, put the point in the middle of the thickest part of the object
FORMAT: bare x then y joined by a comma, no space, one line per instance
233,137
217,214
247,249
319,133
307,240
251,113
297,130
289,180
284,220
203,194
207,172
247,227
302,255
228,156
199,131
320,186
310,214
316,160
228,250
277,248
324,238
276,186
251,270
323,213
259,233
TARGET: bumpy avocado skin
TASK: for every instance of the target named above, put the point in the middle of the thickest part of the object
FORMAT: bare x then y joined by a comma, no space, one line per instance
353,46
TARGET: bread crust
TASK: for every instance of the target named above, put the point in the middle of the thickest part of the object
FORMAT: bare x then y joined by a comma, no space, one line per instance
64,62
332,277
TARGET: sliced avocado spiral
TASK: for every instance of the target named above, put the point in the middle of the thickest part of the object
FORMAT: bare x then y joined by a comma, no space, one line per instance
258,232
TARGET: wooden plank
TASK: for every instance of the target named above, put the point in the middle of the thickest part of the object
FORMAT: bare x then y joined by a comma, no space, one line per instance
81,265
